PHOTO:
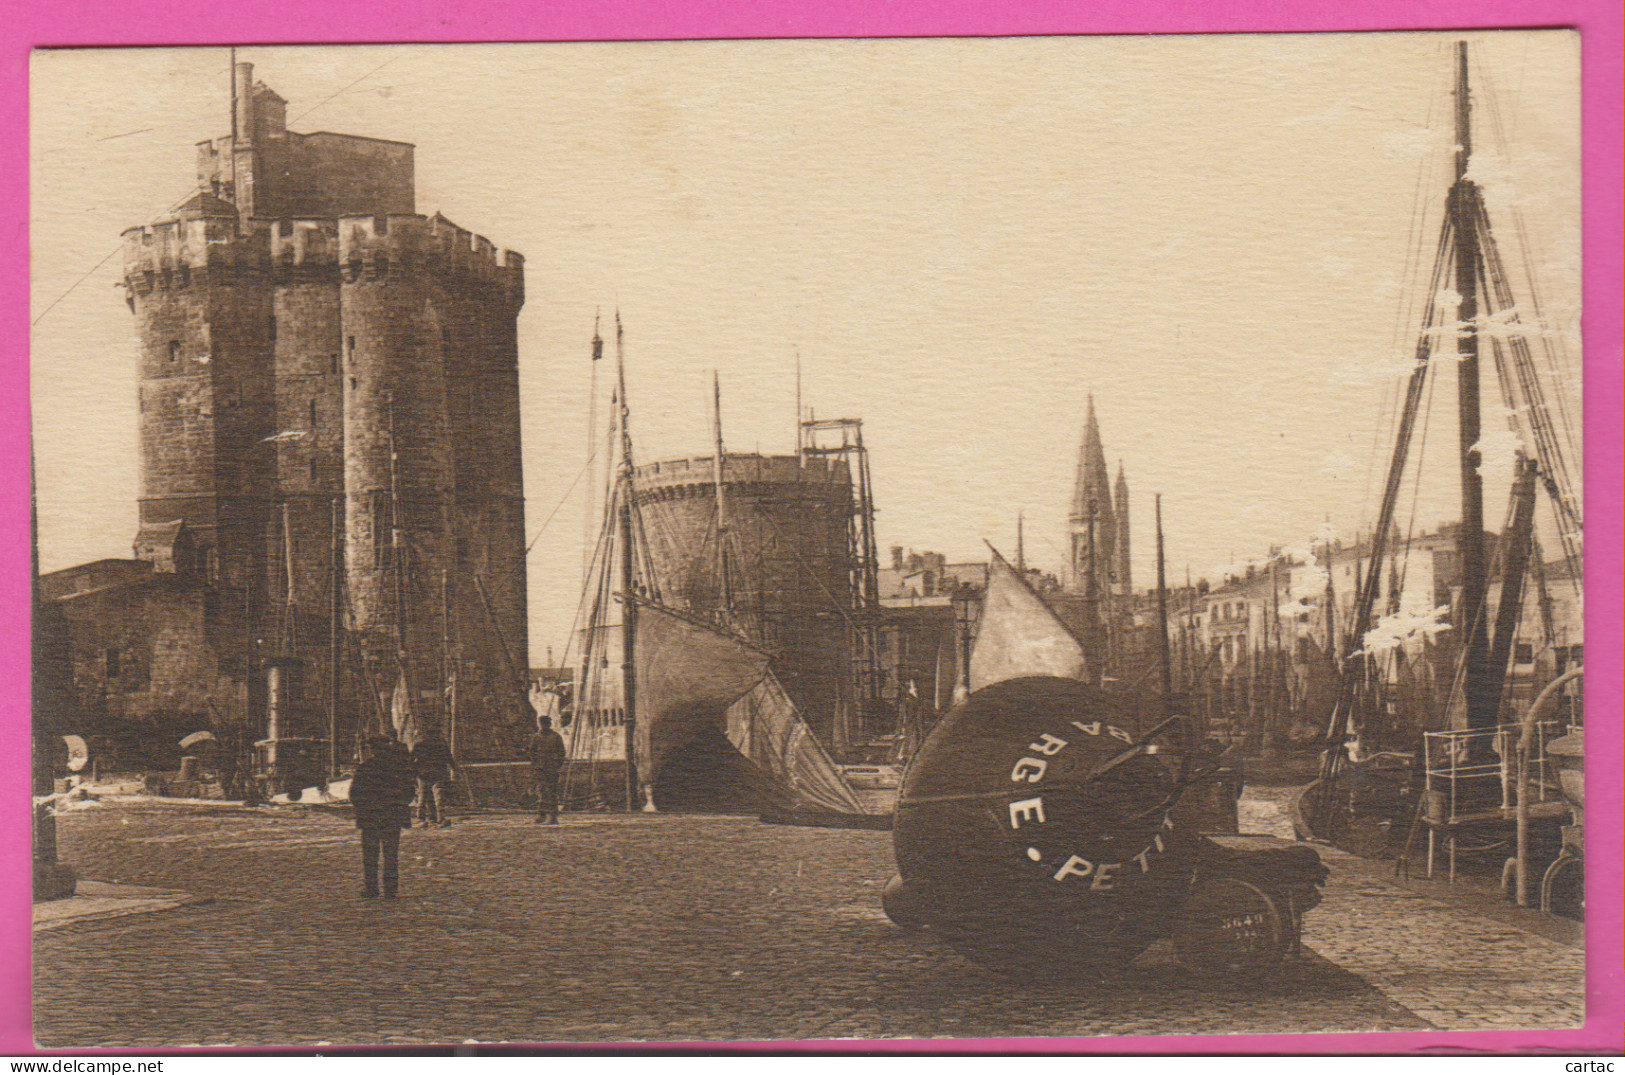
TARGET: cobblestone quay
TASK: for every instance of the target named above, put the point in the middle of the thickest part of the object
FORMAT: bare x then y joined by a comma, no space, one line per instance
605,928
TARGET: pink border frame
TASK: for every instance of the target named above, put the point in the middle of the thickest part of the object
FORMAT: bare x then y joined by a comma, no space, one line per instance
208,22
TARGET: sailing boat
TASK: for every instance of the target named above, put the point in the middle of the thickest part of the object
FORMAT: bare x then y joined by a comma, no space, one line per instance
1471,301
707,724
1019,635
716,729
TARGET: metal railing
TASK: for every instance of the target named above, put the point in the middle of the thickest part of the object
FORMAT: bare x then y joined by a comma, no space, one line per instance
1477,769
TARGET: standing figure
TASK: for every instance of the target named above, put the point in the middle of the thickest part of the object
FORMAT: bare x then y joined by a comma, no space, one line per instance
435,766
382,793
546,759
227,768
566,695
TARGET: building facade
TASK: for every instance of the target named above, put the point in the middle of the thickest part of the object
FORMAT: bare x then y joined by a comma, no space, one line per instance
1262,650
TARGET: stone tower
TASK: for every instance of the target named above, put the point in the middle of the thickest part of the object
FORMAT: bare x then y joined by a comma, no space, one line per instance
792,595
330,405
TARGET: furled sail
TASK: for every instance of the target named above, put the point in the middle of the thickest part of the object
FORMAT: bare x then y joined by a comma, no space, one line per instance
765,727
1019,635
688,674
402,716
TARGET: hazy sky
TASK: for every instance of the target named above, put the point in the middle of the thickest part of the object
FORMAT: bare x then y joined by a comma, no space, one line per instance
1218,236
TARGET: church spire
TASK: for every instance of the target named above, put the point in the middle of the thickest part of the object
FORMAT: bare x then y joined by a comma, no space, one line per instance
1092,523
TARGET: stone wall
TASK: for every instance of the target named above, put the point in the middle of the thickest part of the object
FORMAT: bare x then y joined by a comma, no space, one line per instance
141,653
270,171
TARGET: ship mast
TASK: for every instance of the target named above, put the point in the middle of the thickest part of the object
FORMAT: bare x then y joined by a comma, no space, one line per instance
629,605
401,708
1464,212
724,587
587,682
1460,217
1165,659
335,608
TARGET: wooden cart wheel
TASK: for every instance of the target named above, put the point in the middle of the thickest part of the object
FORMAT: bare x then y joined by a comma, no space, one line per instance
1231,928
1562,887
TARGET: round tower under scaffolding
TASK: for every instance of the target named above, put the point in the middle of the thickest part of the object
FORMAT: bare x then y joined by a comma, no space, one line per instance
763,547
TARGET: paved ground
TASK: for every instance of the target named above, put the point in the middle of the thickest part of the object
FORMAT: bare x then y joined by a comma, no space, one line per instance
1457,969
615,928
97,900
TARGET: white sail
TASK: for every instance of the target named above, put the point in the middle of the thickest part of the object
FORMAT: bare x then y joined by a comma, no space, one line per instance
688,674
1019,635
402,716
766,728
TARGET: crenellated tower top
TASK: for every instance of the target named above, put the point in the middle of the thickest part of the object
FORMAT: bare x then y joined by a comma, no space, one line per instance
205,243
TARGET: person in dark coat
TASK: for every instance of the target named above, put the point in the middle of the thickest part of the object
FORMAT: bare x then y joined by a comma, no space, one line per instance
432,759
546,759
230,761
382,792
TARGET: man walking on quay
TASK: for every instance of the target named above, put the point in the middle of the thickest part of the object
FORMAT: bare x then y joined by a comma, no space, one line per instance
435,766
546,759
382,792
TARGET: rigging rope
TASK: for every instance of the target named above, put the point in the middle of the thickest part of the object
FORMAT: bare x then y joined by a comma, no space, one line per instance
1405,314
579,475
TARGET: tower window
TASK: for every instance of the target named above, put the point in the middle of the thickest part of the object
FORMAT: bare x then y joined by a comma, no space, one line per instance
313,472
353,384
313,415
174,350
352,345
284,228
110,662
332,363
270,327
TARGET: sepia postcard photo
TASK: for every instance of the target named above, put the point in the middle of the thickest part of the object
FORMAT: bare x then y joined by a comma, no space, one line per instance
795,540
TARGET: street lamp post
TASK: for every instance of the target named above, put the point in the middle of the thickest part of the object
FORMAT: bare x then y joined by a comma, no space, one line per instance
966,601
